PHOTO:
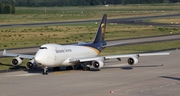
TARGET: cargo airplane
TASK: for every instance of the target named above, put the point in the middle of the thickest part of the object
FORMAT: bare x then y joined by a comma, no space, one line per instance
81,55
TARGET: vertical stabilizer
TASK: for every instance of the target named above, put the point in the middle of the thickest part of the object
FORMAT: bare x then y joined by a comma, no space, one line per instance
101,30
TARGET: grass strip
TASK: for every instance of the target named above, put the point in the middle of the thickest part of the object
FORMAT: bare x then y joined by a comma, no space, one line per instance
62,34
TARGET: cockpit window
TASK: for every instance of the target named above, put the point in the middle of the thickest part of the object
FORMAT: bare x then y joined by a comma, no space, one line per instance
43,48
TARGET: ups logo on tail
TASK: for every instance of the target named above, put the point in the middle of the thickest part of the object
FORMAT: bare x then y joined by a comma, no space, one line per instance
103,29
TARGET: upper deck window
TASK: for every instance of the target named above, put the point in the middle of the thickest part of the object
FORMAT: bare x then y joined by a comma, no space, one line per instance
43,48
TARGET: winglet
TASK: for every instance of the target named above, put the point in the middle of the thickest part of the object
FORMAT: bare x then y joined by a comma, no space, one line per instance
177,49
4,52
174,50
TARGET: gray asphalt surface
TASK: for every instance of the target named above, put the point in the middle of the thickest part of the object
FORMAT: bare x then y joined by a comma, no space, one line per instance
148,78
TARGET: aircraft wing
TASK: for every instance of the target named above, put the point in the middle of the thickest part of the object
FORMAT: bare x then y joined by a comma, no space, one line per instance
17,55
116,56
136,55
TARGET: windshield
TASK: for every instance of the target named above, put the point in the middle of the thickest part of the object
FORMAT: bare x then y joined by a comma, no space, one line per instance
43,48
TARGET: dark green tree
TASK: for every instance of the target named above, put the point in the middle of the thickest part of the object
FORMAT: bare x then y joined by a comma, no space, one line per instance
41,3
7,9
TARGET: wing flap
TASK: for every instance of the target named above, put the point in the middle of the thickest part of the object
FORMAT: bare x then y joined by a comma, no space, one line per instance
120,56
137,55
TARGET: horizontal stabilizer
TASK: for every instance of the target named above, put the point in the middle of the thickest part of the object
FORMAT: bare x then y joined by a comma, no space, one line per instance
115,44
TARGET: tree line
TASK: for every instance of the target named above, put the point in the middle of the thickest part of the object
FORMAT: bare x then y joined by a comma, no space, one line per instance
49,3
174,1
6,8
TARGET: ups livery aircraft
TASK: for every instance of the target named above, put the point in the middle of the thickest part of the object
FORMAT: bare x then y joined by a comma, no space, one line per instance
75,56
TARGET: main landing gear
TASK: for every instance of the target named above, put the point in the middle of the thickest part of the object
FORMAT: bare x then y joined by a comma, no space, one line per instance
56,68
45,71
86,68
83,66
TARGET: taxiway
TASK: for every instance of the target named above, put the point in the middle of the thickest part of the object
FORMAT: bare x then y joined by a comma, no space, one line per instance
152,76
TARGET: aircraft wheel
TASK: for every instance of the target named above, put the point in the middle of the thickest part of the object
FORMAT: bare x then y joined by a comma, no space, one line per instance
56,69
45,71
87,68
79,67
69,68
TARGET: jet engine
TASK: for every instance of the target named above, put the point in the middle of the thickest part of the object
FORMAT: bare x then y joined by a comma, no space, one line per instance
17,61
98,64
31,64
132,60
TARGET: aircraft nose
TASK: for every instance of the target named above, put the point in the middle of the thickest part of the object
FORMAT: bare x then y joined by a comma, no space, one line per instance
41,58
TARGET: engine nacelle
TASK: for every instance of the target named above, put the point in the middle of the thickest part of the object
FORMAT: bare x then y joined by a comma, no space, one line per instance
98,64
17,61
132,60
31,64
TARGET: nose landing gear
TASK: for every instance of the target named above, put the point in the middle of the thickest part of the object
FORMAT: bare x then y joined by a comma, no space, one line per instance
45,71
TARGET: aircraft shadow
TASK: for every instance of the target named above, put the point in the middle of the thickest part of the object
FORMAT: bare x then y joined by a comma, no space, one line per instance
168,77
131,67
125,68
13,67
5,64
17,67
40,70
35,70
150,66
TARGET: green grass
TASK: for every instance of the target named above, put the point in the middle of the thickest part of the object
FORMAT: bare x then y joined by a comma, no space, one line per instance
170,20
35,36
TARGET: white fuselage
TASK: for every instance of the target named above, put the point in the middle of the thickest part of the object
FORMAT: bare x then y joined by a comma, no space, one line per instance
53,55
